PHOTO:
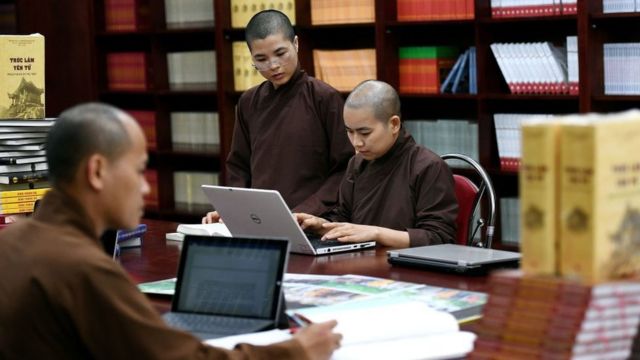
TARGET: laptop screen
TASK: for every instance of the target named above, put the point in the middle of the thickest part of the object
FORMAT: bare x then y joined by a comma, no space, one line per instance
230,276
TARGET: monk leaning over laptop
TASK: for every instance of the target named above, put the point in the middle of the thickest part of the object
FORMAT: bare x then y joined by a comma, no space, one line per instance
289,134
395,191
62,296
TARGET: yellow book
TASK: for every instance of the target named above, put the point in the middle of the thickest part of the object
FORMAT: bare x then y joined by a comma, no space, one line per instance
19,193
539,196
600,196
22,76
237,49
16,208
20,199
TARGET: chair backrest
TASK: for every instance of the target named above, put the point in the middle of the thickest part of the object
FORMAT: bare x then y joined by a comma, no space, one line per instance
471,217
467,195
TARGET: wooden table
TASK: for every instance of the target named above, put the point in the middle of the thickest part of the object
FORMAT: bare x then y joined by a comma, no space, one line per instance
158,259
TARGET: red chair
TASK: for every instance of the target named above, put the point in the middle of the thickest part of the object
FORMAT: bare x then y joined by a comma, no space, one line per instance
470,197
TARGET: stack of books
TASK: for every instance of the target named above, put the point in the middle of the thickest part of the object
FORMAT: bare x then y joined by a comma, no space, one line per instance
549,317
324,12
344,69
23,166
423,68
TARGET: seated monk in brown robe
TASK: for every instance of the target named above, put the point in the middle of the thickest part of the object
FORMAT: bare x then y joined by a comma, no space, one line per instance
395,191
62,296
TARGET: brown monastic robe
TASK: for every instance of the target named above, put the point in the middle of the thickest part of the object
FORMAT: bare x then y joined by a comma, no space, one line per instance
291,139
62,297
410,188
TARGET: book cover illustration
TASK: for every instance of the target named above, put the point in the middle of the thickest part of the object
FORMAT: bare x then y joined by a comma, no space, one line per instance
22,87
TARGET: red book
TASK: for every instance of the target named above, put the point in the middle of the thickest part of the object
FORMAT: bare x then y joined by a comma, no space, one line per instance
147,121
126,15
127,71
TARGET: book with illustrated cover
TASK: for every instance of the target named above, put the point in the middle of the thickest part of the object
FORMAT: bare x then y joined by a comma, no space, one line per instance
22,86
600,196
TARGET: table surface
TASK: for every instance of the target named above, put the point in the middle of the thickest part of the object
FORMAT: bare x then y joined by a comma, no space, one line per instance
158,258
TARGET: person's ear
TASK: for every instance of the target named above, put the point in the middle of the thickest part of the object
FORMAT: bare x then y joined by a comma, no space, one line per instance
96,171
295,42
395,123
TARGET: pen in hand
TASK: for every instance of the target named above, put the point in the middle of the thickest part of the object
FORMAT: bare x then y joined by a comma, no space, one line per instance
300,321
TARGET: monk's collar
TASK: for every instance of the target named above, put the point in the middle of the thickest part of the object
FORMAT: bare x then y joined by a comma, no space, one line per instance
398,145
298,75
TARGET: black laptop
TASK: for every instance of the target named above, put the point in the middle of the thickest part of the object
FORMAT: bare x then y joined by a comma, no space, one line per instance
228,286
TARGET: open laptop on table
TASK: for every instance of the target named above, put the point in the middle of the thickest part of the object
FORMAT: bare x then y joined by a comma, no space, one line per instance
257,212
458,258
228,286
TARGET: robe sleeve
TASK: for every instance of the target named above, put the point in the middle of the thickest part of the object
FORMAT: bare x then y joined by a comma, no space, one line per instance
329,106
239,158
436,207
104,301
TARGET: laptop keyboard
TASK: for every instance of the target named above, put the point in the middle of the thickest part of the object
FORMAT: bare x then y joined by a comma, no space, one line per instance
318,244
211,324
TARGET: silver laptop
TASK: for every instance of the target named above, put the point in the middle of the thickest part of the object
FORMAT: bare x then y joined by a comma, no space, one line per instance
228,286
257,212
459,258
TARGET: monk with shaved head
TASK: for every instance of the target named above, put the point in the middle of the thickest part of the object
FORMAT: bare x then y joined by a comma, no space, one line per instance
395,192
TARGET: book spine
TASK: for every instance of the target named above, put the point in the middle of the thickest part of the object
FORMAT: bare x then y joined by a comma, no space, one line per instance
22,193
577,201
539,198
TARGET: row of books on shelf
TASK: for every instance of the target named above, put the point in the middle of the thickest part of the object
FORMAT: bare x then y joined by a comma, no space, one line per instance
186,70
510,221
580,196
243,10
245,76
445,136
538,68
621,62
195,131
324,12
187,192
135,15
508,138
426,10
527,8
620,6
192,70
463,77
547,317
344,69
422,69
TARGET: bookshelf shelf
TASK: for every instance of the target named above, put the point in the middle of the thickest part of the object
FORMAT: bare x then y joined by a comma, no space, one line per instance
528,97
527,20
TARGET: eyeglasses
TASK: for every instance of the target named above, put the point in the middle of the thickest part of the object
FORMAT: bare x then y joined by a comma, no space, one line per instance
266,64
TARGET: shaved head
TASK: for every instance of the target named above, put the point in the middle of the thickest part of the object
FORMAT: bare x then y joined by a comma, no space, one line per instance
81,131
268,22
380,97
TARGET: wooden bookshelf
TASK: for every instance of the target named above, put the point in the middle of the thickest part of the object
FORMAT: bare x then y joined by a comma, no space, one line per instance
386,35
